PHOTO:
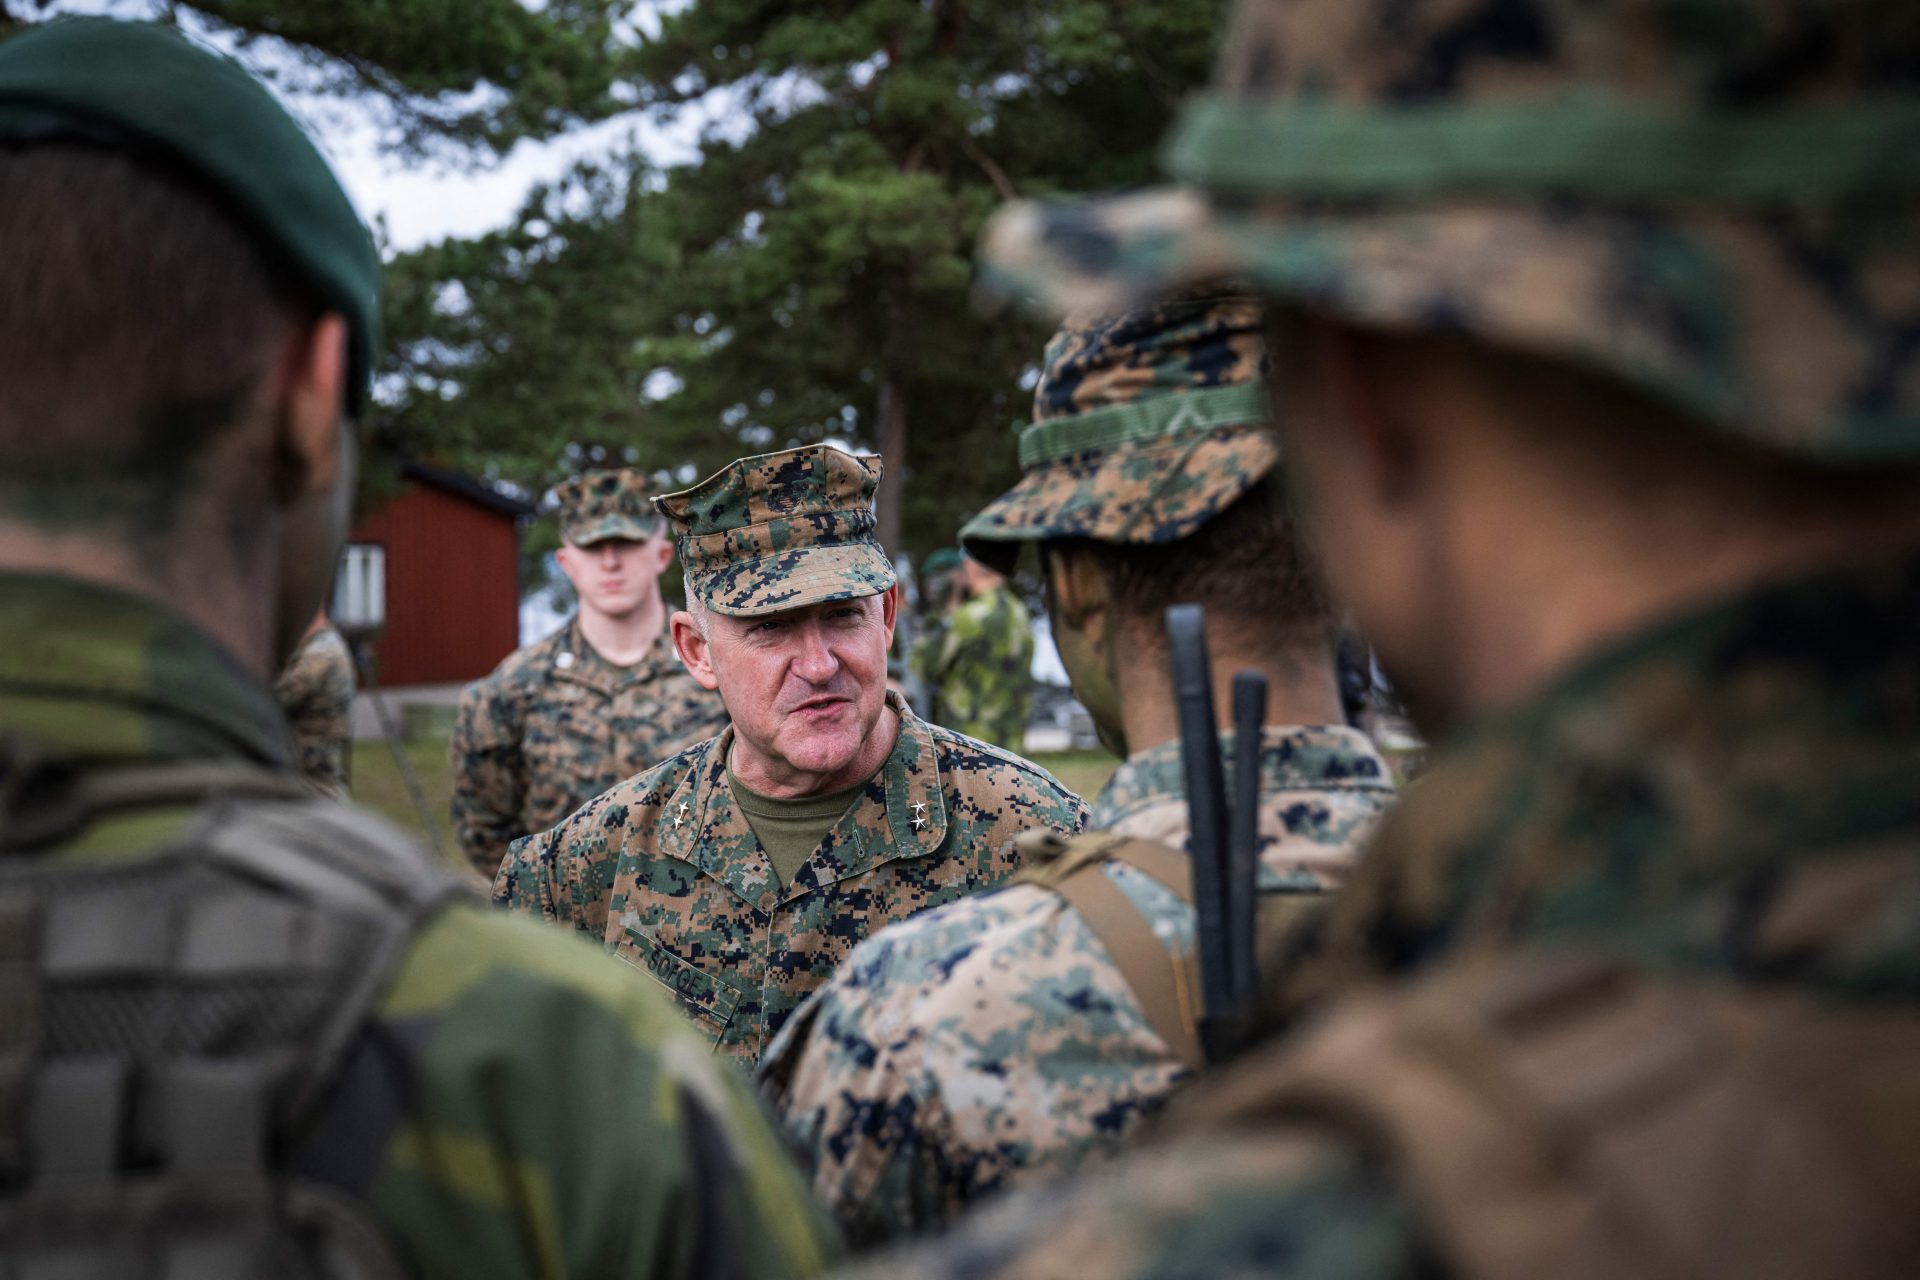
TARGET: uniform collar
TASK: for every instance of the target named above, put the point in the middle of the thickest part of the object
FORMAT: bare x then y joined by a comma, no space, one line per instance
575,659
1661,792
91,673
1292,758
901,814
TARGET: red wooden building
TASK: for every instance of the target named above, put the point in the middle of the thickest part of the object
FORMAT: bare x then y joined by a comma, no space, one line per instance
445,557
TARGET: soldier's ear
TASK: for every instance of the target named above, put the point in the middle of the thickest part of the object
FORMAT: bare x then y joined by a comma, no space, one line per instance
664,553
310,385
1077,590
695,649
890,610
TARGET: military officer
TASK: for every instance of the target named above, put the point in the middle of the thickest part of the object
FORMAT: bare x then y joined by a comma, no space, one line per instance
600,700
979,670
316,690
997,1042
1599,382
251,1031
742,871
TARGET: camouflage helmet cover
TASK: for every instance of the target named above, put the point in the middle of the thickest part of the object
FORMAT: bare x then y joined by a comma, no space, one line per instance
781,530
597,505
1146,425
1714,201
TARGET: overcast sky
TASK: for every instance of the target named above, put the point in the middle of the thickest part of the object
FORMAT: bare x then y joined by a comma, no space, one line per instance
424,201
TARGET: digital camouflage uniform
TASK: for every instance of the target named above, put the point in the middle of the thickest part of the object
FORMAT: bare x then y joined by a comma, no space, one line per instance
556,724
981,673
995,1043
517,1105
992,1043
508,1103
665,871
316,690
1559,1006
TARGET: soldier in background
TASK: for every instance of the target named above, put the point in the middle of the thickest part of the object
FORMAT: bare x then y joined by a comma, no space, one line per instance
742,871
598,701
316,690
250,1031
937,577
1002,1041
979,671
1598,376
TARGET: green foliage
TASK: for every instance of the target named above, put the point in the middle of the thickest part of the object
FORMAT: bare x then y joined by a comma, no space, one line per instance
807,278
470,73
808,267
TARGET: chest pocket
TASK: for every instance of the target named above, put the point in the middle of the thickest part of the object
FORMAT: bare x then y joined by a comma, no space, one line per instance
707,999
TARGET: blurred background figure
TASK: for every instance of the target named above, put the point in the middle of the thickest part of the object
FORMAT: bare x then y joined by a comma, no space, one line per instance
316,690
978,658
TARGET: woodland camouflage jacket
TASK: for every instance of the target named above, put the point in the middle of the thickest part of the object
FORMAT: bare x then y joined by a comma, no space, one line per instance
666,873
555,725
993,1043
981,674
605,1144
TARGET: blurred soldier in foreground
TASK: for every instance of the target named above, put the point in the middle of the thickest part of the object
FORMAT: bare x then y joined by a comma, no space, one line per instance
979,671
600,700
1002,1040
1598,373
315,690
741,872
251,1032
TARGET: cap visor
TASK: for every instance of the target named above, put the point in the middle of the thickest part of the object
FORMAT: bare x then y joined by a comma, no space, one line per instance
793,580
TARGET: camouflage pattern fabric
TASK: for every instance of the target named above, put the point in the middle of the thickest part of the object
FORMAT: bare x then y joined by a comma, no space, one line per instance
1146,425
598,505
665,872
781,530
555,725
316,690
993,1044
601,1145
981,677
1660,797
1711,202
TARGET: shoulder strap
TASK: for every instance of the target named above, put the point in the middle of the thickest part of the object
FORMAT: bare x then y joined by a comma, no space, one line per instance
1161,981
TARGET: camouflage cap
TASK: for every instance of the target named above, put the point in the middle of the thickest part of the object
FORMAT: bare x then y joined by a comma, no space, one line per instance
1145,427
1716,202
781,530
597,505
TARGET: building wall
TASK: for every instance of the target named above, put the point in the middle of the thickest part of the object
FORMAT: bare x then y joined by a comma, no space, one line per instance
453,587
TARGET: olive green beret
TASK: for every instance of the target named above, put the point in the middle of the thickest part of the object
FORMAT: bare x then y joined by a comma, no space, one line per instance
149,90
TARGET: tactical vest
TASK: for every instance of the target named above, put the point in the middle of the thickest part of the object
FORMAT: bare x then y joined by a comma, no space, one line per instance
1165,983
168,1024
1563,1112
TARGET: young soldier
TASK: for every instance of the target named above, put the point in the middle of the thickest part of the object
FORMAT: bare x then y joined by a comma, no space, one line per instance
249,1031
1001,1041
742,871
1599,377
601,699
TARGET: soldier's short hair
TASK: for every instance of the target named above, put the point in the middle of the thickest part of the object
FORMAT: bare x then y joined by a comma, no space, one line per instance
1247,566
140,319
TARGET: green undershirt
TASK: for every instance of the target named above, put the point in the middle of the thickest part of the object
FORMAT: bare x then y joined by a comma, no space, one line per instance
790,830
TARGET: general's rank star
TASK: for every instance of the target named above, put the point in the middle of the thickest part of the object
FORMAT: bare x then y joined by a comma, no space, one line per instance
681,816
919,814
